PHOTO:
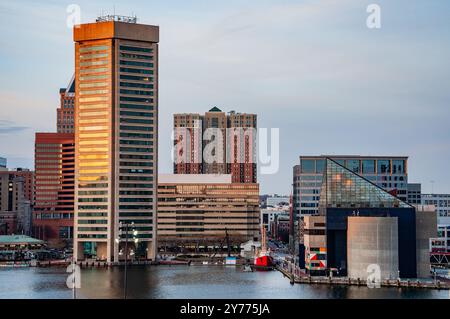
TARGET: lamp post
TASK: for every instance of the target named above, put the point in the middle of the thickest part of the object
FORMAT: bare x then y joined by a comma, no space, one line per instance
135,233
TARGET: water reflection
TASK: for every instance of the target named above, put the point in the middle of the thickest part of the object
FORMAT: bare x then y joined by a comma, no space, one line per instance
183,282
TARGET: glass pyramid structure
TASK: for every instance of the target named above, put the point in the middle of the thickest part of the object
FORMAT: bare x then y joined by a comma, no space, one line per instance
344,188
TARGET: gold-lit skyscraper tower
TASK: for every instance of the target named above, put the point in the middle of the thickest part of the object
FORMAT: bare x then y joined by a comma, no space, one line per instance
116,138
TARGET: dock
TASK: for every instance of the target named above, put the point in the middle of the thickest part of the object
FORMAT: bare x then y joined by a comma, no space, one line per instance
345,281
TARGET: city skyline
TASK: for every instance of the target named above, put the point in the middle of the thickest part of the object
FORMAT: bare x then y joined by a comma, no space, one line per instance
323,95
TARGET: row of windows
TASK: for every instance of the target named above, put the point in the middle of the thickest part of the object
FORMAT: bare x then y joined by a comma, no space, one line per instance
136,85
380,166
138,71
136,78
136,63
135,49
136,56
136,92
137,107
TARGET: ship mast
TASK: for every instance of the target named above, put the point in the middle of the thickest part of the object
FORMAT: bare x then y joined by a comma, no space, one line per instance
263,239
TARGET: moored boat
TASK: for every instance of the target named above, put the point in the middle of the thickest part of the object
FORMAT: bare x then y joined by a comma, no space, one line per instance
263,258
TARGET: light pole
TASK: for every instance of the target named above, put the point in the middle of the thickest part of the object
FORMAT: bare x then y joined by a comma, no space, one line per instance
135,233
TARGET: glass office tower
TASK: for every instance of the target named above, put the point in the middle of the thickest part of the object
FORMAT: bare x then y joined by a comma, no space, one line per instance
116,107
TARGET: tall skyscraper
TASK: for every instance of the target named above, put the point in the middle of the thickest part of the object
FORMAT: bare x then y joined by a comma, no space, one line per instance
53,211
229,139
116,141
65,112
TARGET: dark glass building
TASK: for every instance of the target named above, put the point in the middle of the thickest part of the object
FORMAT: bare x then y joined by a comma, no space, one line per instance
386,227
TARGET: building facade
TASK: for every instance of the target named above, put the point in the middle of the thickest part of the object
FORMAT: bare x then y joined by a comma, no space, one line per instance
442,204
53,212
389,173
356,214
230,139
116,141
415,193
65,114
203,209
15,203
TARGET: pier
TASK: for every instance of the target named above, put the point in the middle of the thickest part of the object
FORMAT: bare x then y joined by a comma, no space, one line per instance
397,283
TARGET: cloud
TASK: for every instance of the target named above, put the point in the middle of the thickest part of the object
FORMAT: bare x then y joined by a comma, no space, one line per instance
8,127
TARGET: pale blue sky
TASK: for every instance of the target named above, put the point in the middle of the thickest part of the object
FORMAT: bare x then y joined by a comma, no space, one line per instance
311,68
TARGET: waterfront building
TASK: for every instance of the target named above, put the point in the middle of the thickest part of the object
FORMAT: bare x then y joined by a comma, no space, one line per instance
442,204
441,244
315,245
388,172
20,242
53,212
15,204
203,209
116,138
358,213
414,193
234,152
65,114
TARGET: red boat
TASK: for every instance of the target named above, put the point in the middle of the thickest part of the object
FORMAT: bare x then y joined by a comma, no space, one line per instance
263,259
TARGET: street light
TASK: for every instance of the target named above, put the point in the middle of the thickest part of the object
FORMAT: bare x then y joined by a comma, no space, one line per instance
135,233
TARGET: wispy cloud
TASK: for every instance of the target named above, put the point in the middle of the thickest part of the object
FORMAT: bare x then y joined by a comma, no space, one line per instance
8,127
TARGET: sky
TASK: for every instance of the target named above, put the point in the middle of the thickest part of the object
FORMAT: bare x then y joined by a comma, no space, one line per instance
311,68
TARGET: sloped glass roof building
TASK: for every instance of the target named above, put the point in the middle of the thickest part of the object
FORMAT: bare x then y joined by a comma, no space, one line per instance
346,194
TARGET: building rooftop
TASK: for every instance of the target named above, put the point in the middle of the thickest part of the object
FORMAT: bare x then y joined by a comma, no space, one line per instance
194,178
18,239
343,188
351,156
215,109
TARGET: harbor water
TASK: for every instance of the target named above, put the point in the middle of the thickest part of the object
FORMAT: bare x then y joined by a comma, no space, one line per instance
196,282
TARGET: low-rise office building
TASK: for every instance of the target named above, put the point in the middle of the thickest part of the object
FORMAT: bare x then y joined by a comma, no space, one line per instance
442,204
203,209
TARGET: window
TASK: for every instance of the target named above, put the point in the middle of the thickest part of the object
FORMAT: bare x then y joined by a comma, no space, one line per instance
384,167
368,167
398,167
129,48
307,166
353,165
320,166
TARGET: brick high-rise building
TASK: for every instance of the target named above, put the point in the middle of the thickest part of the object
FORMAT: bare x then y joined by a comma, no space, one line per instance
241,147
188,143
65,112
54,188
229,139
116,138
